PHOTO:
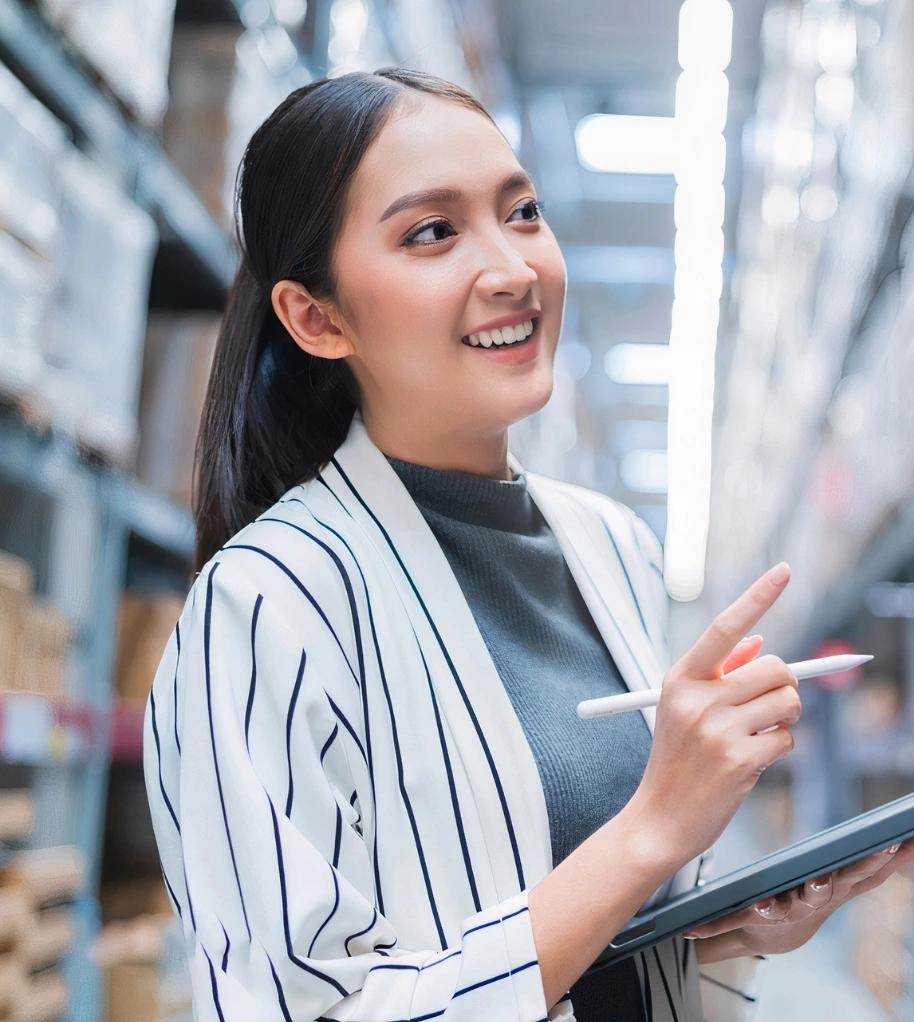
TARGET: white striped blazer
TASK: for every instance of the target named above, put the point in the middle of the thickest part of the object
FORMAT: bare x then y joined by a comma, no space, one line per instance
348,814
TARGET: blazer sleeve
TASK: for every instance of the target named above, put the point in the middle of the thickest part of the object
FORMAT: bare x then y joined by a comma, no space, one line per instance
728,988
259,832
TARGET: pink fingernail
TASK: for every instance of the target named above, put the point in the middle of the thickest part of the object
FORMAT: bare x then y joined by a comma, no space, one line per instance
780,573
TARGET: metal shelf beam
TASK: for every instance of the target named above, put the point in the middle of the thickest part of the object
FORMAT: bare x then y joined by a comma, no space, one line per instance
52,464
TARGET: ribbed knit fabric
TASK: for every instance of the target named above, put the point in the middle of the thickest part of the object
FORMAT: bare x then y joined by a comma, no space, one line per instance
550,655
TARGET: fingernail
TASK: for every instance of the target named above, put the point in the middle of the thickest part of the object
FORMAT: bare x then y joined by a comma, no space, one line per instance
690,936
780,572
892,849
766,907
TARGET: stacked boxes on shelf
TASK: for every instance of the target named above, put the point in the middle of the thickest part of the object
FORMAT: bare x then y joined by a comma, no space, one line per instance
145,980
222,84
36,919
77,254
131,54
176,361
144,627
34,635
80,351
16,581
29,225
106,251
16,822
196,125
14,911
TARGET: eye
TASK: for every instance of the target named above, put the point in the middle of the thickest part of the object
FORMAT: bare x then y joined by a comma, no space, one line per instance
410,239
535,206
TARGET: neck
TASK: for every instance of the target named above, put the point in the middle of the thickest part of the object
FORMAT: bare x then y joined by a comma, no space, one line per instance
480,455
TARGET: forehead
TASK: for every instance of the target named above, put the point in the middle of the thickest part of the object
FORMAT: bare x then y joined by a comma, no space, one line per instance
430,142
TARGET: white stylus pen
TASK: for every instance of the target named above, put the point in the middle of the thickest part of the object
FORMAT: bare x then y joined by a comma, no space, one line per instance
650,697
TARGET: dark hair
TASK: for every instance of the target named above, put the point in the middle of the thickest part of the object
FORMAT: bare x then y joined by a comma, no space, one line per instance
273,415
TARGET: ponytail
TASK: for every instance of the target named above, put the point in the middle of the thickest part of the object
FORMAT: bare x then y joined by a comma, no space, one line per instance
272,416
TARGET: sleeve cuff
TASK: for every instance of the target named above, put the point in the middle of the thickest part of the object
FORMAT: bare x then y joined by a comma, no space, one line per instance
520,948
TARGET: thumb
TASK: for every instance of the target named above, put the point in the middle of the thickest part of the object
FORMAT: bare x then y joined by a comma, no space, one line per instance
745,650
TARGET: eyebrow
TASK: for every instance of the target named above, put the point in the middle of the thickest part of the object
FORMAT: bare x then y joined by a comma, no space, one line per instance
517,179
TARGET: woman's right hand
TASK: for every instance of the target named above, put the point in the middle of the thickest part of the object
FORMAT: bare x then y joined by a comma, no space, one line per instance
710,743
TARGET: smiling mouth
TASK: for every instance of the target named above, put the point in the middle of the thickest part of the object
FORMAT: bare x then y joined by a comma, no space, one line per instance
510,344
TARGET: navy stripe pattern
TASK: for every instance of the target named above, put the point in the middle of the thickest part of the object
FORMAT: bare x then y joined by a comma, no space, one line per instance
262,815
314,796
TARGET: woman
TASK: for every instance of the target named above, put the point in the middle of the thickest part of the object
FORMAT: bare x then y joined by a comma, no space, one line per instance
371,793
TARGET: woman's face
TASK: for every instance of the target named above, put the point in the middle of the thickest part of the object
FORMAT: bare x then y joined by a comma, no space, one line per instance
413,282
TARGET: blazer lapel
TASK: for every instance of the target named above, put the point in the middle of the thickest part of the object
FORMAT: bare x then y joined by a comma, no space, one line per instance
374,495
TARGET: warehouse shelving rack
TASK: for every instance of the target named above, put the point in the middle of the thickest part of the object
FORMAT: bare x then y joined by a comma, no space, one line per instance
86,526
88,517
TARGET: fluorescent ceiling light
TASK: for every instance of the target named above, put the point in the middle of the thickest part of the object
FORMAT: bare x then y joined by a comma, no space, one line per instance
705,34
638,363
627,144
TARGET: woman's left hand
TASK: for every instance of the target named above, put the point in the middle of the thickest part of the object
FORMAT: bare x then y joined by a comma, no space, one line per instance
789,919
795,915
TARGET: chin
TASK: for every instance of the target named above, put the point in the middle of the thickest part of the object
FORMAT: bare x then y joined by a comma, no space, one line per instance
536,400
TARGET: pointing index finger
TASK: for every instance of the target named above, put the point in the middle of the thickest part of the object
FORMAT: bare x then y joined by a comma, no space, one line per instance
706,657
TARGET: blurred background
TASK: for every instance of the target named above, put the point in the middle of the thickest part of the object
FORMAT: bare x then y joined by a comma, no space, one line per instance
732,189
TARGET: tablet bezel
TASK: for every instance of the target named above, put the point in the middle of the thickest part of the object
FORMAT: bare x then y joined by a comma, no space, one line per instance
778,871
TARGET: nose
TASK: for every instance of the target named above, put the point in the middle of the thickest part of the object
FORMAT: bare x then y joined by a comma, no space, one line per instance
505,271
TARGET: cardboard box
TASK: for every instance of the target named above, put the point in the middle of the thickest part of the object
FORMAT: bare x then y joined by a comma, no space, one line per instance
47,639
145,624
177,358
16,585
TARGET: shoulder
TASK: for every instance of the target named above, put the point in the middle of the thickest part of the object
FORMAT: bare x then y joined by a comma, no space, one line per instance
282,556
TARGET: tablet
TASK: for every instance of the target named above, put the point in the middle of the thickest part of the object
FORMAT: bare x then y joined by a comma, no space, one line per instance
788,867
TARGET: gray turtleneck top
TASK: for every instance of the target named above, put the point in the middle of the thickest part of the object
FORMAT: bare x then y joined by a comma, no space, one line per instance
550,656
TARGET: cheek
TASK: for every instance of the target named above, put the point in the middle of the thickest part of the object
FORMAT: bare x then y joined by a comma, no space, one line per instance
552,272
420,299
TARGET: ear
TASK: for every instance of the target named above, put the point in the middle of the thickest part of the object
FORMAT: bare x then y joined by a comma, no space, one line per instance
312,324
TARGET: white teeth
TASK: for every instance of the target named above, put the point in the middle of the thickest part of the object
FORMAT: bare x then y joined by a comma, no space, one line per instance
505,335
